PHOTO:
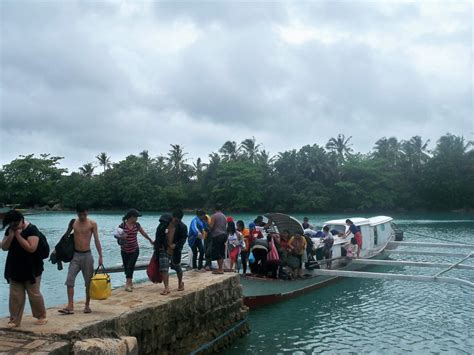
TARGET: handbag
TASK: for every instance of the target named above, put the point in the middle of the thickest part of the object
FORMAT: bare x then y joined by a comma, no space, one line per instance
153,270
100,287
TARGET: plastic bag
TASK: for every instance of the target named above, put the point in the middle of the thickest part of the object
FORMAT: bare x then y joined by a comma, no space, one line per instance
251,258
100,286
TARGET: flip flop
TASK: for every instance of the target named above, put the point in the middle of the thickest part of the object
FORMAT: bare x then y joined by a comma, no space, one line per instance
164,292
87,310
65,311
216,272
42,321
181,287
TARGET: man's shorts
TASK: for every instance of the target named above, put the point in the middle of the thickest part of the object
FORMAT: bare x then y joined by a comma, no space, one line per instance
80,262
166,261
218,247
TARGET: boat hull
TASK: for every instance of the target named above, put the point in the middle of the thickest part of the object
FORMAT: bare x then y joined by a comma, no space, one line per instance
262,291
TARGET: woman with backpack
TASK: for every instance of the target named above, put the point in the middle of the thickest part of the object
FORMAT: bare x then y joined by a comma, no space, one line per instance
129,244
27,247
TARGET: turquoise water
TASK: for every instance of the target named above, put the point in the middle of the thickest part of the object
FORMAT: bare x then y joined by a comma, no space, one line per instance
351,316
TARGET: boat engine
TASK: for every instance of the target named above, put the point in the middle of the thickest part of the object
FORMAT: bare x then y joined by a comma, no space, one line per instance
398,235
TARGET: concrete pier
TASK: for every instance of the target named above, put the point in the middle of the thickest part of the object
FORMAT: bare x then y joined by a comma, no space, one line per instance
141,322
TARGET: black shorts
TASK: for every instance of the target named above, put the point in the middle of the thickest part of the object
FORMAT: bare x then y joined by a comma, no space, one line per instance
218,247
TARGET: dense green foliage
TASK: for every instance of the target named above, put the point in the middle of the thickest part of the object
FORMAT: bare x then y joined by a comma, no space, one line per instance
395,175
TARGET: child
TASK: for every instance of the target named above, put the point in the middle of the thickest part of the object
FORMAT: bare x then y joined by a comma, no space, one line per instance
352,248
234,243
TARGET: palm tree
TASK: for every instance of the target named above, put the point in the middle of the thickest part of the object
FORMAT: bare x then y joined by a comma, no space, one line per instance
340,146
416,151
104,160
251,148
451,145
229,150
145,156
389,149
87,170
176,160
214,159
265,158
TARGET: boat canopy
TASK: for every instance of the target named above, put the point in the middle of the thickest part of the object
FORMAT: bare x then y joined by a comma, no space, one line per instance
283,221
375,221
356,220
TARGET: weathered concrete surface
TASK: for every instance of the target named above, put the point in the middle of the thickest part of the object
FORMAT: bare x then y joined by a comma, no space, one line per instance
106,346
173,324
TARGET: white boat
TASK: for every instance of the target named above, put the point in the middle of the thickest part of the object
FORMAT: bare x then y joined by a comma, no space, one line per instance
376,232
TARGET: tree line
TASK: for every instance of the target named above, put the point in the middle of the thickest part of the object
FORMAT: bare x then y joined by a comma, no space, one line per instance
395,175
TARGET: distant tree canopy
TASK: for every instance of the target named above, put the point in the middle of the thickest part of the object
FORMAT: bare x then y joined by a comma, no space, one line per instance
243,177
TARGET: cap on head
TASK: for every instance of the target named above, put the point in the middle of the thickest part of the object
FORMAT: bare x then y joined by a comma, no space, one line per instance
132,213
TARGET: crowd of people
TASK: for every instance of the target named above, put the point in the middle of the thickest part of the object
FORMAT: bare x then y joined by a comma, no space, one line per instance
258,248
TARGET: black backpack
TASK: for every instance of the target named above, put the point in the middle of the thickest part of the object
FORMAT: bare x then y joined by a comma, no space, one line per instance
43,247
65,248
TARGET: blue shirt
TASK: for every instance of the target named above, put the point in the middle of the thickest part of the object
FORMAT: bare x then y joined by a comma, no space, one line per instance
354,229
196,227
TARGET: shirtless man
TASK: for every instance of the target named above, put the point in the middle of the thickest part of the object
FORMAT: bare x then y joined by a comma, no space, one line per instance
83,261
171,235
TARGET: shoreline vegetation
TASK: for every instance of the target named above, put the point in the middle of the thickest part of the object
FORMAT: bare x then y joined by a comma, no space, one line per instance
395,176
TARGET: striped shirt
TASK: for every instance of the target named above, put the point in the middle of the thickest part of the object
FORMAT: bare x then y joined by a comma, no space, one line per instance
131,242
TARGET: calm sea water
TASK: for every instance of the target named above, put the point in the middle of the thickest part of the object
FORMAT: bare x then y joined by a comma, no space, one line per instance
351,316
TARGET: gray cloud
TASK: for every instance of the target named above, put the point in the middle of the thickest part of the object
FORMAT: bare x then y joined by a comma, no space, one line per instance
78,78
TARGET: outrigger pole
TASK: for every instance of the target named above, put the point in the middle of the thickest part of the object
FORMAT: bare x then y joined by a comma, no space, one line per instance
386,276
409,263
422,278
431,245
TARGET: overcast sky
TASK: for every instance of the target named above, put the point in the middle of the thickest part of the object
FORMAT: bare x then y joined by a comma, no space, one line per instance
82,77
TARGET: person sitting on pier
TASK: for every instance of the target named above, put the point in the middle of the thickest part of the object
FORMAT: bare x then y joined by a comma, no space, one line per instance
23,267
328,242
357,234
84,228
171,235
196,237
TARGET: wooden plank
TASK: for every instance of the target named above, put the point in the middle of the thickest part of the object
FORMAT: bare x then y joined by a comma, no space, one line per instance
423,252
387,276
431,245
408,263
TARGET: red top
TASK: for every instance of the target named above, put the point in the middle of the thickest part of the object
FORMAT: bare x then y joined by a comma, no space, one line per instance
131,242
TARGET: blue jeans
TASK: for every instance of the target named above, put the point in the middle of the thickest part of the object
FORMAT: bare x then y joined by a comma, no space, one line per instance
198,247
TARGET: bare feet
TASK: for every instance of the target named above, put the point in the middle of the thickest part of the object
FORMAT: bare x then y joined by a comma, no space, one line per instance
12,325
165,292
87,309
41,321
181,286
